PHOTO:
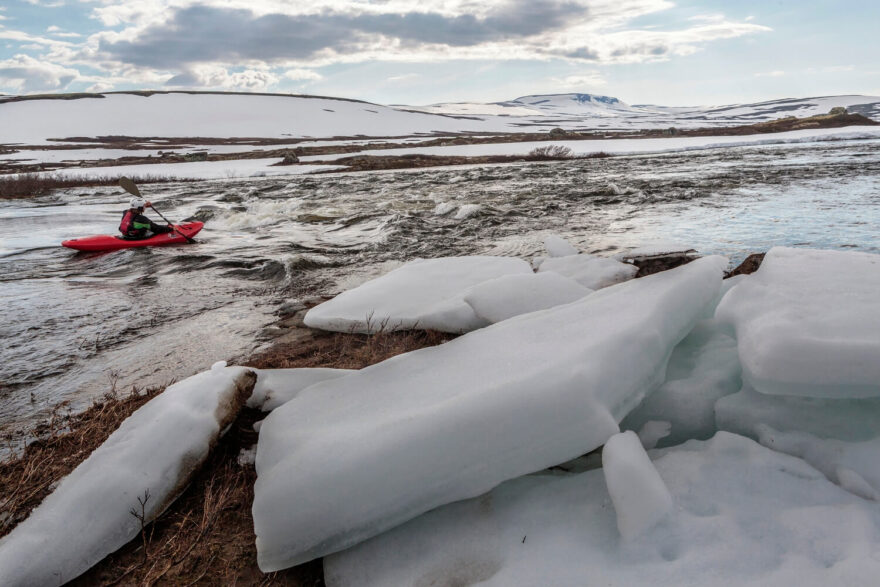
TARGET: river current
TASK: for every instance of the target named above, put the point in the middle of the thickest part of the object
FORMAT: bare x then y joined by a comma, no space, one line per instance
74,325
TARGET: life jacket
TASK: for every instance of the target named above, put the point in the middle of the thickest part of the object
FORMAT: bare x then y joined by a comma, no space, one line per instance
125,227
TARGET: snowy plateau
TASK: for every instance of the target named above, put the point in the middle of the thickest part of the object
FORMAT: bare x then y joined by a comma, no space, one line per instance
477,461
72,136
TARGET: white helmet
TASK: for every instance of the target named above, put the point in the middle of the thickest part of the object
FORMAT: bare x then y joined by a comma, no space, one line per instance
138,203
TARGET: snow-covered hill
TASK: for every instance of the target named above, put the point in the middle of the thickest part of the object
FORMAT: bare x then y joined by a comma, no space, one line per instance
37,121
179,114
605,112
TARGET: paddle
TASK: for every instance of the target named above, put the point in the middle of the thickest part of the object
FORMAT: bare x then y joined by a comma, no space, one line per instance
131,188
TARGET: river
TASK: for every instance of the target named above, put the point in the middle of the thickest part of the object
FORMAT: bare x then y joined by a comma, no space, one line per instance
75,325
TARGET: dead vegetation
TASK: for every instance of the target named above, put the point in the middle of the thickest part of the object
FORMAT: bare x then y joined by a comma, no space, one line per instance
62,443
206,537
27,185
550,152
288,150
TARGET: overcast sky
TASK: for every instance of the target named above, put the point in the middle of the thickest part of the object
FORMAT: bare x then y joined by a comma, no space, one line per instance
688,52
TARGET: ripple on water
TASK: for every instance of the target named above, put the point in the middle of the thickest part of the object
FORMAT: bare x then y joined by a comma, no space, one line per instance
71,315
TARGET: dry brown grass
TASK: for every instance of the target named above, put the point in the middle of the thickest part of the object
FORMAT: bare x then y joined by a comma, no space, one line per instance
345,351
62,443
27,185
206,537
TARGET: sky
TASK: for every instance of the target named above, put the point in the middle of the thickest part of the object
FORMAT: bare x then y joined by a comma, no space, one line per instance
417,52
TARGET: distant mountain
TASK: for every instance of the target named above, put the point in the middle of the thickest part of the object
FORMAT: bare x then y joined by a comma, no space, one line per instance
575,104
588,111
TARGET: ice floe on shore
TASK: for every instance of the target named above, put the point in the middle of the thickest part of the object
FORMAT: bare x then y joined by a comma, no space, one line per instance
446,465
808,323
364,453
426,293
142,467
741,515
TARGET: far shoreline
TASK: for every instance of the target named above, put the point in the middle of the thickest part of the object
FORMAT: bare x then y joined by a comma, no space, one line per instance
30,180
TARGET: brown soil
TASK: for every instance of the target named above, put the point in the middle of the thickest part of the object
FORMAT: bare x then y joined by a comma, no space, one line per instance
206,537
749,265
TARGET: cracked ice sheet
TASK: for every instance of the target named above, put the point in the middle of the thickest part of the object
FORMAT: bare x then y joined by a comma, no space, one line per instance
353,457
743,515
425,294
808,323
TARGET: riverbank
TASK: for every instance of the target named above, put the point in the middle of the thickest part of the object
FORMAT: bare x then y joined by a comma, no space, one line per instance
347,154
206,536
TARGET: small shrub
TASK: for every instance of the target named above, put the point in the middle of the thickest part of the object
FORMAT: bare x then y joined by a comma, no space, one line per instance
550,152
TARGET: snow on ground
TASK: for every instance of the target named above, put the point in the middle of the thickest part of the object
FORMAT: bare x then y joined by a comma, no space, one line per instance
808,323
355,456
425,293
626,146
32,122
60,155
742,515
146,462
589,270
605,111
194,170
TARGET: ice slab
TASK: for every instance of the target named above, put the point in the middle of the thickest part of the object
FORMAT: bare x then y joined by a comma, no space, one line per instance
590,271
855,466
851,420
808,323
703,368
744,515
511,295
277,386
557,246
639,495
426,293
152,455
353,457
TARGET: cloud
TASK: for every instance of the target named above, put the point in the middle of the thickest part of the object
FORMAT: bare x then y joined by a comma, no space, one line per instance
23,37
24,74
581,81
302,75
406,77
99,87
45,4
200,33
59,32
218,77
777,73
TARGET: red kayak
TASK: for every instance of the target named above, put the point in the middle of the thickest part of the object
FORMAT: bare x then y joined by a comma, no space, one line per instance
107,242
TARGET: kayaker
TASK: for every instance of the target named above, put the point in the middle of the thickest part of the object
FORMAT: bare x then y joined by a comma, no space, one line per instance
135,225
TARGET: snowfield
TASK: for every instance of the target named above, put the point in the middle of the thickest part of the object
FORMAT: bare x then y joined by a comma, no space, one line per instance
194,119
